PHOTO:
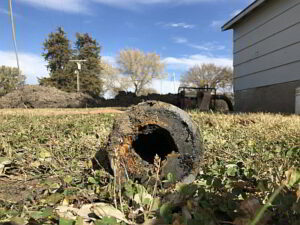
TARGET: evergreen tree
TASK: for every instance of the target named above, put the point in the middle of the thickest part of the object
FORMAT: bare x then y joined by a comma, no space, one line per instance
58,52
88,49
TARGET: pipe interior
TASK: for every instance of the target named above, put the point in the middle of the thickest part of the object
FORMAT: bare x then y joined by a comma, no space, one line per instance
151,140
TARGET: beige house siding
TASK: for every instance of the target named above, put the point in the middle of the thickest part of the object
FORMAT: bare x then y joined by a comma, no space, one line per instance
267,45
273,98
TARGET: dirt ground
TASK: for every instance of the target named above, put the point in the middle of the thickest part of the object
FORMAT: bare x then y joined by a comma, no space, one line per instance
57,112
14,189
18,189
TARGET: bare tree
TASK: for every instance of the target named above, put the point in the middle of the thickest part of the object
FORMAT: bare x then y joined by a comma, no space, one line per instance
113,81
208,74
140,67
10,79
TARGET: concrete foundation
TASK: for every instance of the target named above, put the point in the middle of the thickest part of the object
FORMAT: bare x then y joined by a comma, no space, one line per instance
277,98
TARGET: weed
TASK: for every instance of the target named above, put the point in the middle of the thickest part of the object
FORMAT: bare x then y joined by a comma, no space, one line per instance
249,173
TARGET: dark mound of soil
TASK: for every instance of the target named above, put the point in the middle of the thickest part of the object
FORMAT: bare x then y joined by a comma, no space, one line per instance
35,96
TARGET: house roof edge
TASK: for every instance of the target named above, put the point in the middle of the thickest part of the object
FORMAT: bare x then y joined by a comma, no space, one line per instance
229,25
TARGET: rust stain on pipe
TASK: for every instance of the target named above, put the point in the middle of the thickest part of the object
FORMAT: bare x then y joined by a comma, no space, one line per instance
148,129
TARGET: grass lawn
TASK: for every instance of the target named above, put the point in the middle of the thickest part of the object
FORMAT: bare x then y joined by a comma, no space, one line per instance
46,172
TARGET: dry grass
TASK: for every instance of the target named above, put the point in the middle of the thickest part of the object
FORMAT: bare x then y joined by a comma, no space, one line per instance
50,150
64,111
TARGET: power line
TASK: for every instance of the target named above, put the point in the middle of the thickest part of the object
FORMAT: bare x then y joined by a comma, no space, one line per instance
14,32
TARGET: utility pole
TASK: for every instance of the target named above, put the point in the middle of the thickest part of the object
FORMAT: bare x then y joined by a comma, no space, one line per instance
79,62
161,86
174,85
13,26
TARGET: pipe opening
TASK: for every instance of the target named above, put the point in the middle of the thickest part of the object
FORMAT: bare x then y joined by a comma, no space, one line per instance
151,140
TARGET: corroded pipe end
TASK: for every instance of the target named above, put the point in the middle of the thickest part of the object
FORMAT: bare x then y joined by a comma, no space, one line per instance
148,129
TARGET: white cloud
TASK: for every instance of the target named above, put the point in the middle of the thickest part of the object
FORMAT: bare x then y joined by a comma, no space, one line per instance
186,62
180,65
135,3
217,23
31,65
208,46
182,25
72,6
109,59
180,40
199,47
83,6
146,2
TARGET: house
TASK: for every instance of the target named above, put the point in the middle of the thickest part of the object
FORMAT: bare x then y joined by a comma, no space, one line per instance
266,56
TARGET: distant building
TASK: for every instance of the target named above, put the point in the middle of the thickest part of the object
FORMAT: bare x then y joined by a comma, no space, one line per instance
266,57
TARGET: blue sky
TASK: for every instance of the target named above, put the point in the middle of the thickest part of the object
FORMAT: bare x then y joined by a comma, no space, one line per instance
182,32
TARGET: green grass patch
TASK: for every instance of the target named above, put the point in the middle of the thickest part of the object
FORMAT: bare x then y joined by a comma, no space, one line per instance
45,162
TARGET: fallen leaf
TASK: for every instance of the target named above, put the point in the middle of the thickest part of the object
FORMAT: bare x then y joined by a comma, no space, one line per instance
35,164
106,210
36,215
143,197
85,211
65,202
18,220
80,221
54,198
68,179
4,162
293,177
67,212
44,155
